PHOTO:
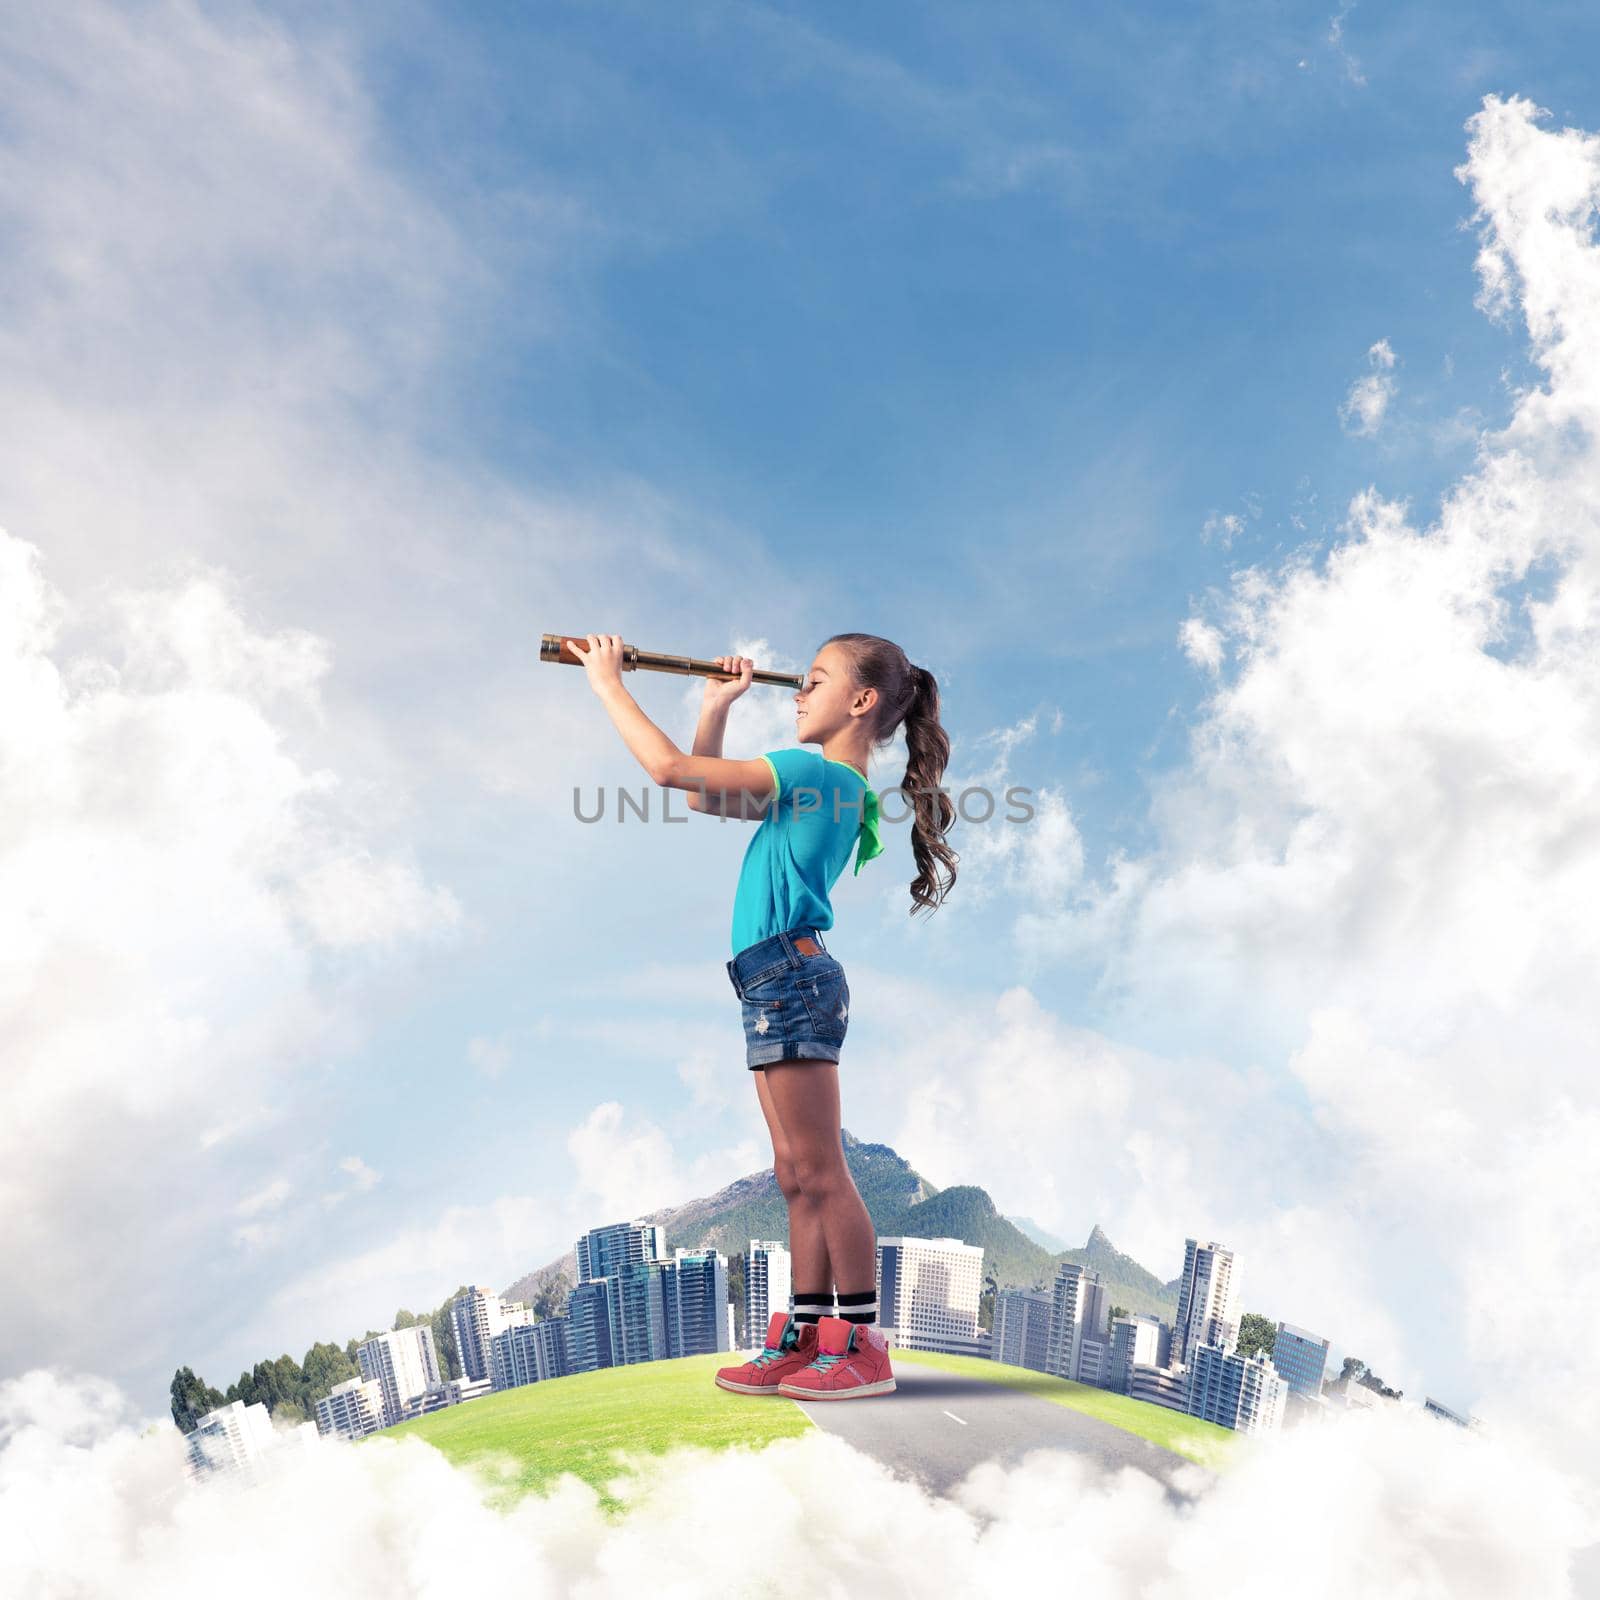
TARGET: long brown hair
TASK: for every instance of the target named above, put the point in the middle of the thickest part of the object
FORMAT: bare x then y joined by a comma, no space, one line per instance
909,694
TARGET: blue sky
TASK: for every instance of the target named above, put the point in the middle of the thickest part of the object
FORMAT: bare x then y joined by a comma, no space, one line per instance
1010,334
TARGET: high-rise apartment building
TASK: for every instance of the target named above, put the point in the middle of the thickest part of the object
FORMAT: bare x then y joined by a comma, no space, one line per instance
694,1292
1140,1340
928,1294
477,1315
603,1252
1208,1300
768,1285
650,1310
1021,1333
591,1337
230,1439
1240,1392
352,1409
404,1363
529,1353
1300,1358
1077,1312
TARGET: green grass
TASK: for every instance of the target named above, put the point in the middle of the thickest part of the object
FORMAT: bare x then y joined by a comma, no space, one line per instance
583,1423
577,1424
1202,1442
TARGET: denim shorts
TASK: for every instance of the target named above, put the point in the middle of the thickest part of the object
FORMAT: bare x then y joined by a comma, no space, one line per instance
795,998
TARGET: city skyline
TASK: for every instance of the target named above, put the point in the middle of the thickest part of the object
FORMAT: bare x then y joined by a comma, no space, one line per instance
634,1303
1209,1307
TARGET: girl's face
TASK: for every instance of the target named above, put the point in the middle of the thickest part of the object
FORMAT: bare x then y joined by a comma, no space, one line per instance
824,705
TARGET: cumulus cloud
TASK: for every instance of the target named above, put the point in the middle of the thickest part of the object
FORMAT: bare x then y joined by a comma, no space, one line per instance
90,1505
1377,871
623,1165
164,862
1367,403
1201,642
253,610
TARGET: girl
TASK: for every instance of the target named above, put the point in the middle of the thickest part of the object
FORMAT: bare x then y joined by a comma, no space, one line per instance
813,807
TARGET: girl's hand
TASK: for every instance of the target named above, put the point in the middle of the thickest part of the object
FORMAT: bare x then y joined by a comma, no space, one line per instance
724,691
602,660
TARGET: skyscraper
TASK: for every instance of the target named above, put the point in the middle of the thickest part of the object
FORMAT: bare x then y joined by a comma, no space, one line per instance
1077,1313
1208,1304
529,1353
1021,1333
230,1439
694,1288
1141,1340
603,1252
403,1363
1300,1359
928,1294
767,1287
592,1338
1240,1392
352,1409
477,1315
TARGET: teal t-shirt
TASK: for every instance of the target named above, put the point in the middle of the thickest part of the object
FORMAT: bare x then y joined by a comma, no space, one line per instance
799,848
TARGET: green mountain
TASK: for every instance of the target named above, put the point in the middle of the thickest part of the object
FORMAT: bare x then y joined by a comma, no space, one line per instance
900,1202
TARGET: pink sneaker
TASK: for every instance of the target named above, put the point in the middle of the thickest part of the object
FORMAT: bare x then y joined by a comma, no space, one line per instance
852,1361
790,1345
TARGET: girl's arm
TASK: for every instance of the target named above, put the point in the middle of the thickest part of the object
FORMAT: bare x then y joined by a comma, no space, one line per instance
708,742
666,764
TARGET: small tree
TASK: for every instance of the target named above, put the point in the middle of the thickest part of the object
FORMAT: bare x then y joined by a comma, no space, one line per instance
444,1341
192,1398
1257,1334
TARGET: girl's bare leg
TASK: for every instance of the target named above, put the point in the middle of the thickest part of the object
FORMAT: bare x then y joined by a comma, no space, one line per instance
805,1096
808,1248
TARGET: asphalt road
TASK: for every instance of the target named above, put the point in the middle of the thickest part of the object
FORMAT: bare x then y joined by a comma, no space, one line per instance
936,1426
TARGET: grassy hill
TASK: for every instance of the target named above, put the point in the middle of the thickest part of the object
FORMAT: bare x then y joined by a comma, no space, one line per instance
900,1201
591,1423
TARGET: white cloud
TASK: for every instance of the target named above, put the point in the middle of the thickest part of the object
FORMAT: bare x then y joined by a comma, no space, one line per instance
1224,528
162,851
626,1167
1352,67
361,1175
1202,643
1379,864
623,1165
89,1505
1015,838
362,1181
1367,403
268,1198
276,618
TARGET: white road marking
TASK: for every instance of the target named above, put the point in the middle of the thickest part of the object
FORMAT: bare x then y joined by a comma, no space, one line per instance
954,1418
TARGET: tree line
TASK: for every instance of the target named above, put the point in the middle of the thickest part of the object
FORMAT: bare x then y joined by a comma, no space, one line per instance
290,1389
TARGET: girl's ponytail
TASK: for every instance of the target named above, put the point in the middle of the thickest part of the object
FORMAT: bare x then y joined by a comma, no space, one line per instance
909,694
927,755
